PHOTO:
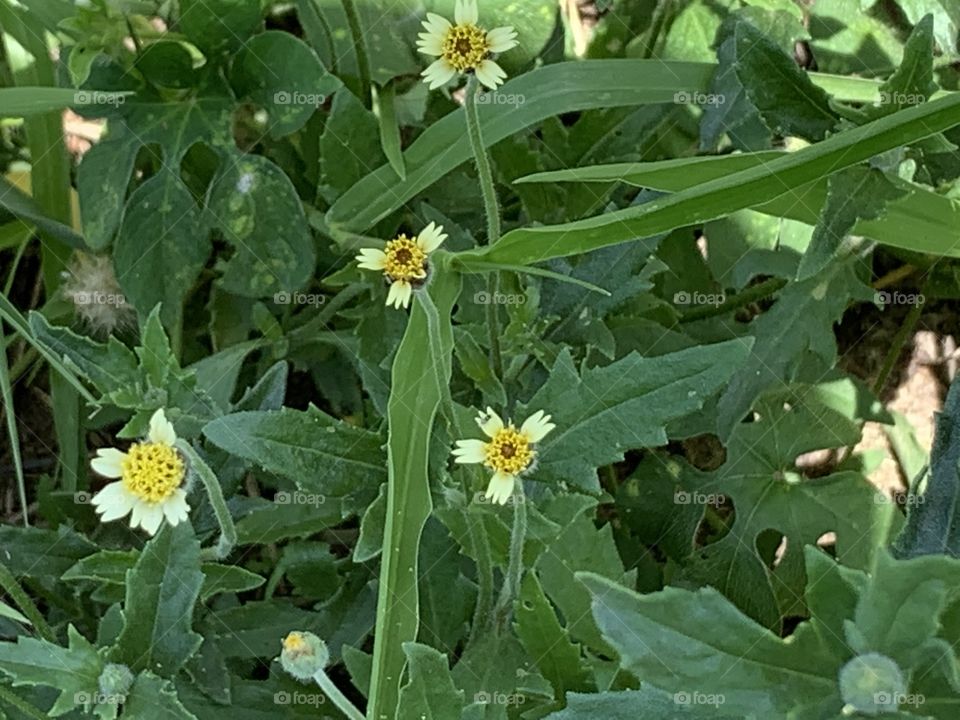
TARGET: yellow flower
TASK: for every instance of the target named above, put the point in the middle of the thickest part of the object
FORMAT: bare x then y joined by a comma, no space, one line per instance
151,475
463,47
403,262
509,452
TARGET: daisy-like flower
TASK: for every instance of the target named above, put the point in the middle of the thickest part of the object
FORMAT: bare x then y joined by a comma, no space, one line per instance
150,474
463,47
403,262
509,452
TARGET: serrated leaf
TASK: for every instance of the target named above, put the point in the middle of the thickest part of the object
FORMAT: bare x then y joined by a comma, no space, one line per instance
647,703
154,697
73,670
42,554
430,693
855,194
605,411
162,590
547,642
218,26
322,455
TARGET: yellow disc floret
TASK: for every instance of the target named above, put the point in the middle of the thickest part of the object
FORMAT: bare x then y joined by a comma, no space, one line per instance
405,260
465,47
152,471
509,451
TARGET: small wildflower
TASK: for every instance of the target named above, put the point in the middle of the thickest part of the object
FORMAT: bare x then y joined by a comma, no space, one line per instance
404,262
509,452
463,47
151,475
304,654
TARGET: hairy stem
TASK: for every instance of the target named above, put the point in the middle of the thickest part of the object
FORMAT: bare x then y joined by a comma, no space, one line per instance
228,531
511,581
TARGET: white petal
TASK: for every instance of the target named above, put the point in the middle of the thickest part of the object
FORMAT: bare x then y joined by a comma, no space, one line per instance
372,259
108,462
431,237
436,25
151,515
470,451
490,74
438,73
161,429
500,488
502,39
489,422
113,502
399,294
537,426
430,44
175,508
465,12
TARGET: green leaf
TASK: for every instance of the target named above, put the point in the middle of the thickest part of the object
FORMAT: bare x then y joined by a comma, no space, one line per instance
855,194
219,26
420,377
390,128
603,412
164,269
154,697
913,81
946,20
722,196
73,670
43,554
788,101
349,126
21,205
548,92
698,642
284,76
322,455
27,101
430,693
256,207
933,520
800,323
162,590
647,703
547,642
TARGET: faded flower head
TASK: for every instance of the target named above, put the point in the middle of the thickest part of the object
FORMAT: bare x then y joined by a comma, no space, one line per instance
91,285
463,47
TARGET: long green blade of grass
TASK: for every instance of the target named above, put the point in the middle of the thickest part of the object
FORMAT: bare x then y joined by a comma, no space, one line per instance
921,221
420,377
721,196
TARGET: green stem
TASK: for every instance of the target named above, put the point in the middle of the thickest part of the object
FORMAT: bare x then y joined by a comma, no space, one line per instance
6,393
363,64
339,699
492,210
9,697
12,588
751,294
481,552
511,581
228,531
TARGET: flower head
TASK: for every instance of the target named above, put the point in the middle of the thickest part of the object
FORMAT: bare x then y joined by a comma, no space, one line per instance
463,47
403,262
151,475
304,654
509,452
